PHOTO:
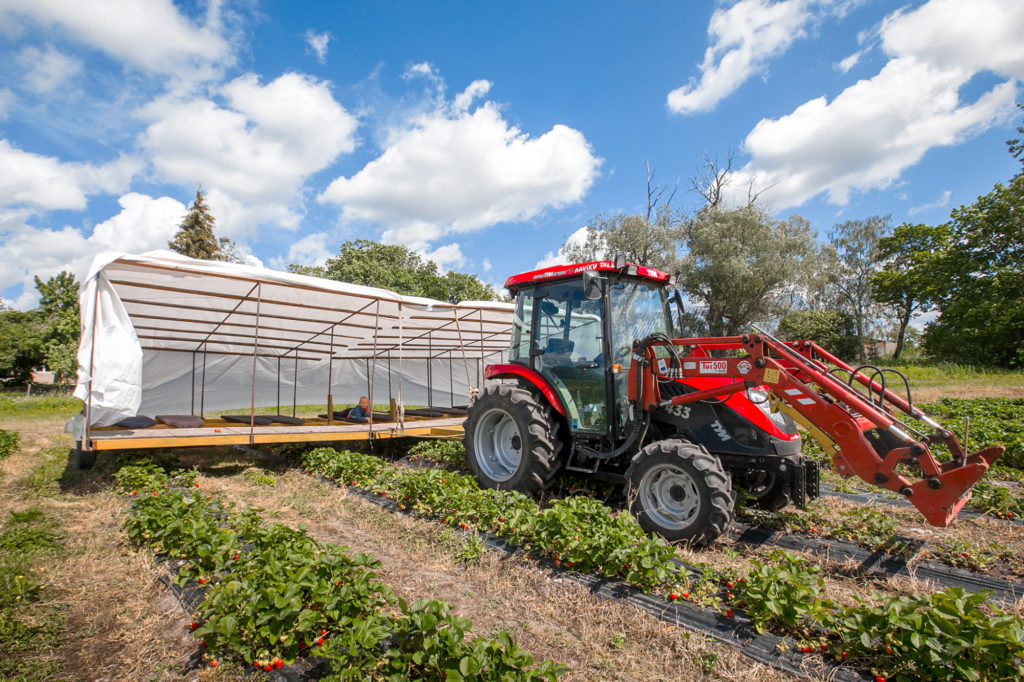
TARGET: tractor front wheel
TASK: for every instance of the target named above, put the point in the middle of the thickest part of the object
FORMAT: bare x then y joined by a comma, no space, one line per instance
511,441
680,491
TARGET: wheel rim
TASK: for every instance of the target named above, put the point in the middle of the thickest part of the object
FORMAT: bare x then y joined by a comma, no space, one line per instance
669,496
761,484
498,445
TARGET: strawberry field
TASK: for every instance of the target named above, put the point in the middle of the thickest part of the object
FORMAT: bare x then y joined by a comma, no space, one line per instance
330,563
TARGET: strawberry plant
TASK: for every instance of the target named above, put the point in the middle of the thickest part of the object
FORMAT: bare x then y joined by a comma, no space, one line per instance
994,421
449,452
951,635
276,593
965,553
784,593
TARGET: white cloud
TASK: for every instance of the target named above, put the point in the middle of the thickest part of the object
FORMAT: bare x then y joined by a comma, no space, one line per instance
254,154
447,257
578,238
844,65
743,38
143,224
487,265
44,182
941,202
875,129
153,36
454,171
465,99
317,44
310,250
46,71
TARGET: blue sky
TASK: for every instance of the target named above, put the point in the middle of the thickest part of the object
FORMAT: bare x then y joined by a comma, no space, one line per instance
481,134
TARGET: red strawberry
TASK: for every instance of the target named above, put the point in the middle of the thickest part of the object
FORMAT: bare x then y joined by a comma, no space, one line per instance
888,649
202,580
236,557
195,625
729,585
278,663
442,480
814,530
256,664
805,649
686,595
501,518
879,678
728,595
319,640
728,613
268,667
824,647
351,482
963,554
213,663
323,632
673,596
154,493
135,492
844,655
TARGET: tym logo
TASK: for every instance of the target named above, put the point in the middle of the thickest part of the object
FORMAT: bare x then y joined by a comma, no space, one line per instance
720,430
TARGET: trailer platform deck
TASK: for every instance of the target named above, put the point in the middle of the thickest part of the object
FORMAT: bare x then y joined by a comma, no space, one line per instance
220,432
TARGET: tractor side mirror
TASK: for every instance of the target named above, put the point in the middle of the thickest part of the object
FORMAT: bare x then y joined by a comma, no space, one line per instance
593,285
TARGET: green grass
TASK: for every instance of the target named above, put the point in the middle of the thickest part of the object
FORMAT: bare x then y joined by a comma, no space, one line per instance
38,406
29,626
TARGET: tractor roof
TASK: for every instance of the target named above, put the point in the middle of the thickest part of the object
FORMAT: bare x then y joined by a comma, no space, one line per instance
558,272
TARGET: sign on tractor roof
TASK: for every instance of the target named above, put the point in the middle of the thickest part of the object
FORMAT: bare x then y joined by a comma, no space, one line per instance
563,271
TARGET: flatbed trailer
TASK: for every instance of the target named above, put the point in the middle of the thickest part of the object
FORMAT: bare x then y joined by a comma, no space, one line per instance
167,335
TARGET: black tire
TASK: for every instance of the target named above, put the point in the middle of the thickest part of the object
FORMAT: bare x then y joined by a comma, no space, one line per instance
680,491
511,440
84,459
767,490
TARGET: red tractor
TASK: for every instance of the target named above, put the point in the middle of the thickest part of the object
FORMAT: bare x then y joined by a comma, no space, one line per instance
597,383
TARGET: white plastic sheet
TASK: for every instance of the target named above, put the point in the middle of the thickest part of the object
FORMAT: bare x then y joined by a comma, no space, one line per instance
165,334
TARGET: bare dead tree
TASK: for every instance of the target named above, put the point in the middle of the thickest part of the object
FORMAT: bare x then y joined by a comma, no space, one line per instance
656,192
711,179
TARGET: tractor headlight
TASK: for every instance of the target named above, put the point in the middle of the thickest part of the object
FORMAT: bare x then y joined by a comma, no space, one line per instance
761,398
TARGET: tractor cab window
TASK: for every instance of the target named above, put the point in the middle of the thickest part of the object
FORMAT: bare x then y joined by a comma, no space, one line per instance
638,308
568,341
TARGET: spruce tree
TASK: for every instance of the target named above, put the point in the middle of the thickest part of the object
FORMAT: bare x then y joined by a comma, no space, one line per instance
195,237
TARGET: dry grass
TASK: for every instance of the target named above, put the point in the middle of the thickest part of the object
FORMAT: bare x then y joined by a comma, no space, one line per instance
119,622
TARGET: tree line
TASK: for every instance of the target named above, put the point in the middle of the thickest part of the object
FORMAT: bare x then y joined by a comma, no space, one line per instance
867,280
737,266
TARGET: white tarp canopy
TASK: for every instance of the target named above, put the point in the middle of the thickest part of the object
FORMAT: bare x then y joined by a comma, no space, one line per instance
162,333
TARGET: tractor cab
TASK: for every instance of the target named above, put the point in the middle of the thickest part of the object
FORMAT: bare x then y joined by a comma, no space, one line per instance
575,327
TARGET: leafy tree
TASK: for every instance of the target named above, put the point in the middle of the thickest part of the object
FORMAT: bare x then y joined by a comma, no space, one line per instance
1016,145
905,284
856,258
21,344
397,268
195,237
979,282
58,305
832,330
741,264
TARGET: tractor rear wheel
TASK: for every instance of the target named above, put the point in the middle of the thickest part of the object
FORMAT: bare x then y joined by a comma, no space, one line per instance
680,491
511,440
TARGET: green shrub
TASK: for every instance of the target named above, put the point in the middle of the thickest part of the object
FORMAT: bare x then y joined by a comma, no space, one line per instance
9,441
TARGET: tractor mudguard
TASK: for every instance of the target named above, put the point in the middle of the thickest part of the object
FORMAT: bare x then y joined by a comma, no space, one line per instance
514,371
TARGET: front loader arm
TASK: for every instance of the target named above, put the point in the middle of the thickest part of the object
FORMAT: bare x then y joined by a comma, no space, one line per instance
862,438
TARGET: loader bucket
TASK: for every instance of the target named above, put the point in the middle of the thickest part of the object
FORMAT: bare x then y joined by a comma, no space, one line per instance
941,504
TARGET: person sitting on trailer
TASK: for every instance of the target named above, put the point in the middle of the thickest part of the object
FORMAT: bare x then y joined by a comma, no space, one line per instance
360,412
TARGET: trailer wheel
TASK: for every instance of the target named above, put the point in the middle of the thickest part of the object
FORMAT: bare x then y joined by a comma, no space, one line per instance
680,491
511,441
